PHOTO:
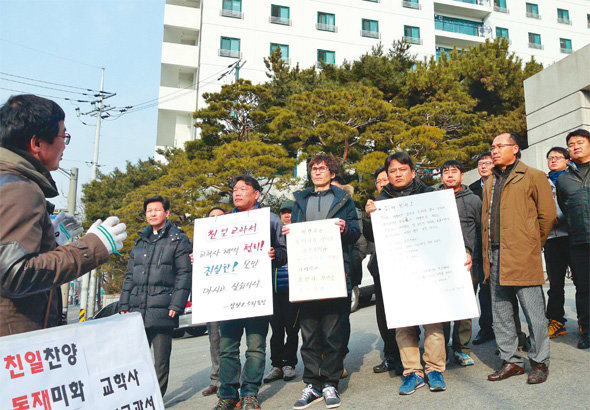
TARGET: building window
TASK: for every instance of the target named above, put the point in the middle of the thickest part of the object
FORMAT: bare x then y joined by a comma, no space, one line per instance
412,35
442,50
284,49
501,32
565,45
232,8
280,15
455,25
326,57
370,28
326,22
563,16
535,41
411,4
532,11
230,47
500,6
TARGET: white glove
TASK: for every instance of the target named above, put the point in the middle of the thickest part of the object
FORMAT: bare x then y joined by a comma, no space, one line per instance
66,226
111,233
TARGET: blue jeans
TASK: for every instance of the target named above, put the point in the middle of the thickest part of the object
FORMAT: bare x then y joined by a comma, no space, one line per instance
229,359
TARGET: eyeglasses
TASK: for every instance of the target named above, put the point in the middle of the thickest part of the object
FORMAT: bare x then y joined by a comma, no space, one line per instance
321,169
66,138
494,147
551,159
382,182
485,164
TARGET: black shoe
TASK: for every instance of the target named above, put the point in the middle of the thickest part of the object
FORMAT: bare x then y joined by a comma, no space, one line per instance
483,336
387,366
584,342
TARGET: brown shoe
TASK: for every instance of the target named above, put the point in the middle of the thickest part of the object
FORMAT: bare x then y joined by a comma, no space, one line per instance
507,370
210,390
539,373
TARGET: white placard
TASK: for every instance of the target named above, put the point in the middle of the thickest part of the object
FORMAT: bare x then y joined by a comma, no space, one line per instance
232,272
99,364
316,265
421,258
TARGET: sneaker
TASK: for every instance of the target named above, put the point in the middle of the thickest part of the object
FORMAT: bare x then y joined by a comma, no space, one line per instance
584,342
387,366
276,373
288,373
436,381
331,396
227,404
310,396
250,403
410,384
462,359
556,329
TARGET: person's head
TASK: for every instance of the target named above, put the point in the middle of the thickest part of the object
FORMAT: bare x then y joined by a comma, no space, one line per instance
578,145
380,178
215,211
557,158
322,169
36,125
505,149
285,211
400,169
246,192
157,210
485,165
451,174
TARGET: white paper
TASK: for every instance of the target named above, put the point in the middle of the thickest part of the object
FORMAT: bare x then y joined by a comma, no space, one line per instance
316,265
232,272
104,349
421,257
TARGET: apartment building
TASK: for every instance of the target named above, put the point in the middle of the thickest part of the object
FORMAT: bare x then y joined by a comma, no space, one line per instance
205,39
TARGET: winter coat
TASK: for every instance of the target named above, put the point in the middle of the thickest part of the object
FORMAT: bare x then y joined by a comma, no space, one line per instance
159,275
476,188
527,213
280,279
560,227
32,267
573,195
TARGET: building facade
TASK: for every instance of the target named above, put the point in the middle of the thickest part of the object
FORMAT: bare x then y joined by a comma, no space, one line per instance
204,40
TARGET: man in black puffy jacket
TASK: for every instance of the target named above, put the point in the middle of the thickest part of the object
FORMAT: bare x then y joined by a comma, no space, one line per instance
158,281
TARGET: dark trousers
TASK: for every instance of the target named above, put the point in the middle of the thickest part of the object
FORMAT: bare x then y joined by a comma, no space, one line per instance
580,264
323,341
346,327
161,340
390,348
285,320
557,259
485,299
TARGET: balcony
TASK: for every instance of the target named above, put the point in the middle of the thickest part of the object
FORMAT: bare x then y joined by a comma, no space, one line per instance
411,5
413,40
179,16
565,50
476,9
229,53
370,34
279,20
533,15
326,27
459,32
536,45
564,21
180,54
501,9
231,13
177,99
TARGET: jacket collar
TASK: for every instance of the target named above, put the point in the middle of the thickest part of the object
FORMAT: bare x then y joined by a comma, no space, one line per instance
30,167
235,210
147,231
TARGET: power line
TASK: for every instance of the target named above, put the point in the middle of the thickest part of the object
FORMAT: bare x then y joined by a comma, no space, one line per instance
46,96
48,88
48,82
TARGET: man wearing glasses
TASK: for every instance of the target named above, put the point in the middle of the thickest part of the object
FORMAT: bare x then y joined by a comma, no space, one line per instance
517,216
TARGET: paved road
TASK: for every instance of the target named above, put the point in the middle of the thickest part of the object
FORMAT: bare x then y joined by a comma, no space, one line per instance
467,388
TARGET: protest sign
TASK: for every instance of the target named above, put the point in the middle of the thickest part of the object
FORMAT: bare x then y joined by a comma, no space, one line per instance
421,257
232,272
99,364
316,266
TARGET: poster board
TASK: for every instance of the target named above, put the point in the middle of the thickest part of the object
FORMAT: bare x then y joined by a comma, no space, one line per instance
232,272
421,257
316,264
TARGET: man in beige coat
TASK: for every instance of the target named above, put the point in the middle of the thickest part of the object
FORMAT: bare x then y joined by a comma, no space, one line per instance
517,216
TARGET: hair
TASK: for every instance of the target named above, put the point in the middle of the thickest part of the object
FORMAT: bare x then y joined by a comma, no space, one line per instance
578,133
400,157
378,171
248,180
327,159
164,201
26,115
214,209
453,163
340,179
484,155
514,138
564,151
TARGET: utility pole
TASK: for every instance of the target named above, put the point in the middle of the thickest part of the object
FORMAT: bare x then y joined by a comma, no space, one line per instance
65,288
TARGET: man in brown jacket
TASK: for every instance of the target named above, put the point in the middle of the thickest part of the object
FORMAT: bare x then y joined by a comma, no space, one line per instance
32,266
517,216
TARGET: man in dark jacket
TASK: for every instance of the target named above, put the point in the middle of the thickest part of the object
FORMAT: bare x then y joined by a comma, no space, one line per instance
158,281
322,321
573,195
32,265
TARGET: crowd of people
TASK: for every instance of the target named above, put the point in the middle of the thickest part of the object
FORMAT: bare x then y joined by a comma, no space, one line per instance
508,218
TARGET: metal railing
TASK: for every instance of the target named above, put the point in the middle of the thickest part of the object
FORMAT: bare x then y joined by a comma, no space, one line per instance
536,45
371,34
533,15
413,40
279,20
564,20
326,27
411,5
231,13
566,50
229,53
501,9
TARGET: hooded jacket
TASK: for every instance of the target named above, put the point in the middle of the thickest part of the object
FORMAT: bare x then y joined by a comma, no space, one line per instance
573,196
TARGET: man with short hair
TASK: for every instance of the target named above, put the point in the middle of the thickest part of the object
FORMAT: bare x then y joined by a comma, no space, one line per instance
158,281
573,195
518,214
246,192
556,249
36,258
